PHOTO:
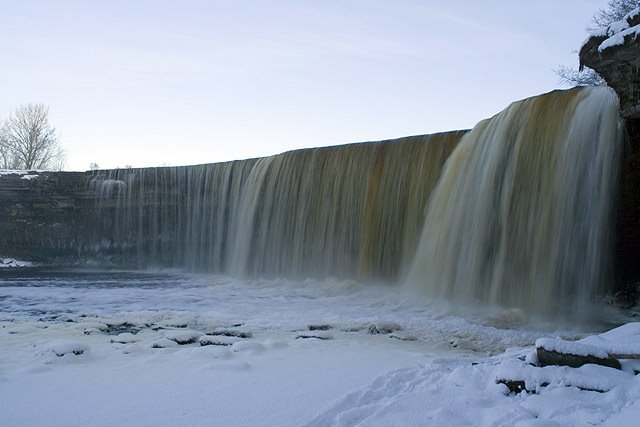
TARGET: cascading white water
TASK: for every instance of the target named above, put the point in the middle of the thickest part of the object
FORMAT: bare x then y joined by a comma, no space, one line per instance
522,214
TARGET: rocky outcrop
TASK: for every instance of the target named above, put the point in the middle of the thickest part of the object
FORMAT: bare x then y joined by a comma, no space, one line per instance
615,55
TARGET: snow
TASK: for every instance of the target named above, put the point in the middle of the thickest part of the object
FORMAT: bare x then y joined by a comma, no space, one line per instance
156,349
29,177
622,340
12,262
62,347
617,31
617,39
27,174
567,347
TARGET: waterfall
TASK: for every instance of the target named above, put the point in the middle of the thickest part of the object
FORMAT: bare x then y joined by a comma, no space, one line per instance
349,211
522,214
517,212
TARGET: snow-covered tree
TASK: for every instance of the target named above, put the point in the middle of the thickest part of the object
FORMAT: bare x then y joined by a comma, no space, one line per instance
28,141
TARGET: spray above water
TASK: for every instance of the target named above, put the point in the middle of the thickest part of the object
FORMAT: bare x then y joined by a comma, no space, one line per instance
522,214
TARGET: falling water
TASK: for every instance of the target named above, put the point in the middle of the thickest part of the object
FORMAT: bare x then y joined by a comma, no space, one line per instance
522,215
349,211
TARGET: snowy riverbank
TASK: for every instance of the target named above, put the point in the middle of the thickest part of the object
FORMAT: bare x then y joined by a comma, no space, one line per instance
111,349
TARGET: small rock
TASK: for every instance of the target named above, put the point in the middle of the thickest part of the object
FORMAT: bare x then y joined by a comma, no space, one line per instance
183,337
320,327
403,337
231,332
383,327
550,357
218,340
320,335
63,347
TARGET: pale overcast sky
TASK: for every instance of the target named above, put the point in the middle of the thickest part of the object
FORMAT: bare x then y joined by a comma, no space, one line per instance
149,83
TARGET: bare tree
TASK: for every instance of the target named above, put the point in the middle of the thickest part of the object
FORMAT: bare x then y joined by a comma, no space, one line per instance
572,77
6,158
615,11
28,141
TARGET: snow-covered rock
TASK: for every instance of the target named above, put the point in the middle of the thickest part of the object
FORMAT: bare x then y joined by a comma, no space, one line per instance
124,338
183,337
62,347
218,340
12,262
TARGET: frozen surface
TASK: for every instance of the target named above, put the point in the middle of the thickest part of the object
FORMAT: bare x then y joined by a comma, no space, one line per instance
147,349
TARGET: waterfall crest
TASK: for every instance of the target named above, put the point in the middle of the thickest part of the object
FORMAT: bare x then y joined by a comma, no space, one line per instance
522,214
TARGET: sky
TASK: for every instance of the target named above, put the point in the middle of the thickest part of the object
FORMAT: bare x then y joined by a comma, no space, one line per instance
153,83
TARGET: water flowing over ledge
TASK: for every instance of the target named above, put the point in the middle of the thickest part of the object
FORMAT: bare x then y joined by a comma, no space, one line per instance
523,213
348,211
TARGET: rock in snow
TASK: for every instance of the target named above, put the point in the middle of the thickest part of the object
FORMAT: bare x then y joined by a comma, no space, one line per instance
65,347
124,338
183,337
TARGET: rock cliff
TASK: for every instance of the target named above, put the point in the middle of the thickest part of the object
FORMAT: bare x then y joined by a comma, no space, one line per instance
43,215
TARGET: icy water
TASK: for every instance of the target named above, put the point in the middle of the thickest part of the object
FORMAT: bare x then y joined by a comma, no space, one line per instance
276,308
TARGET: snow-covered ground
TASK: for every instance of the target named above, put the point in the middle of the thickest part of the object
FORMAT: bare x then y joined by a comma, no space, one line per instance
151,349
